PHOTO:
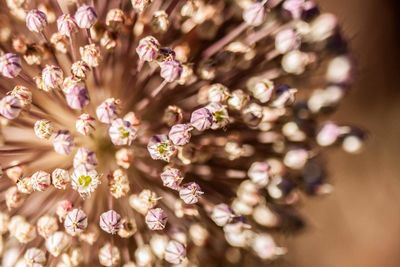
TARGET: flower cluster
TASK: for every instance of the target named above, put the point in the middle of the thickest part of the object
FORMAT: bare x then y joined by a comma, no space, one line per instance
150,132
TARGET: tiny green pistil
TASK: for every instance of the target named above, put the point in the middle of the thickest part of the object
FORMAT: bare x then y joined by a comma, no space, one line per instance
123,132
84,180
162,148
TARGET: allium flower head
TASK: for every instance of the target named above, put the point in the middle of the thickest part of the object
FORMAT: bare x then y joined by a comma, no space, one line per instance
148,132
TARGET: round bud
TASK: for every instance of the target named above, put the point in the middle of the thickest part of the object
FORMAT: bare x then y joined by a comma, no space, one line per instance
40,181
109,255
43,129
63,142
110,222
148,48
85,16
10,65
175,252
77,97
10,107
254,15
46,226
190,193
171,70
66,25
75,222
36,20
180,134
156,219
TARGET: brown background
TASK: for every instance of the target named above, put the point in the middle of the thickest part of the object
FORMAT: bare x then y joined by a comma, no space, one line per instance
359,224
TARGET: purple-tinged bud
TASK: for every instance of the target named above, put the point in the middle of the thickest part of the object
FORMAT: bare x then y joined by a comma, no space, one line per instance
63,142
85,16
219,114
180,134
77,97
10,107
287,40
85,158
35,257
171,177
156,219
66,25
60,178
160,147
175,252
36,20
201,119
108,110
40,181
75,222
121,133
171,70
222,214
259,173
254,15
23,94
218,93
85,124
124,157
10,65
190,193
148,48
110,222
52,77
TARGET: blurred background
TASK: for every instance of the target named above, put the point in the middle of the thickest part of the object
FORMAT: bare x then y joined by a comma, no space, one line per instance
358,225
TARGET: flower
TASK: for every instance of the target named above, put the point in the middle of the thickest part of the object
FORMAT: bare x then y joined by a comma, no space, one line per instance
206,117
85,181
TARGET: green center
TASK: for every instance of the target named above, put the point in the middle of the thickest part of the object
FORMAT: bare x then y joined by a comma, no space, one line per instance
84,180
162,148
219,116
123,132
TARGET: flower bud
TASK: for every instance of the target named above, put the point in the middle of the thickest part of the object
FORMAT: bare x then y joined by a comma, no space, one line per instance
159,21
171,177
75,222
190,193
180,134
201,119
13,197
25,232
156,219
10,65
109,255
85,158
47,225
140,5
108,110
35,257
52,77
91,55
77,97
124,157
80,69
85,16
254,15
40,180
287,40
66,25
24,185
222,214
119,184
115,18
171,70
85,124
259,173
23,94
10,107
110,222
148,48
36,20
43,129
57,243
63,142
175,252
